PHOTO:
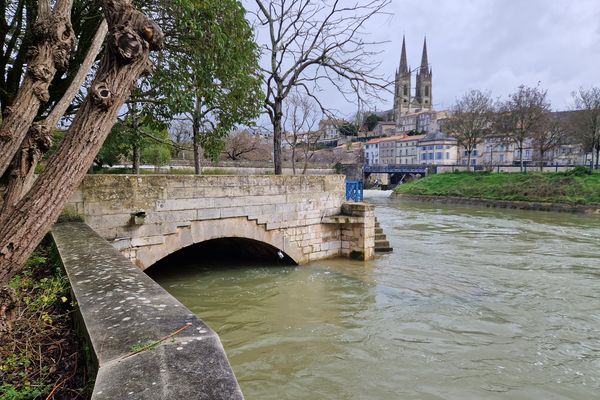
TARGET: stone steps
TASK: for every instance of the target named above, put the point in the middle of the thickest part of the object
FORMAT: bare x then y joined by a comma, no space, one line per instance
382,245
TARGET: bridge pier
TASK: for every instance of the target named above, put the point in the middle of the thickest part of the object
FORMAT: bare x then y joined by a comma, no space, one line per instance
358,230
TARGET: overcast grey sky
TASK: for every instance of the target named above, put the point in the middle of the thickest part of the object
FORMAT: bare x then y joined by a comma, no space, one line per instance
496,45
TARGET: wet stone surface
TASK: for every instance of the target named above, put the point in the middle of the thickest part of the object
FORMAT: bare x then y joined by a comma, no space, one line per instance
123,309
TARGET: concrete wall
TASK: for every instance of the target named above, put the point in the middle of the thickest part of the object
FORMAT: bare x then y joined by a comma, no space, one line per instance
244,170
284,211
121,308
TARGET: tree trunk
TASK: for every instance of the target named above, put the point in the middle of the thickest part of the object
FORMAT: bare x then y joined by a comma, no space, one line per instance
53,40
294,156
196,138
132,36
521,157
135,159
39,137
196,146
306,151
277,129
468,160
597,156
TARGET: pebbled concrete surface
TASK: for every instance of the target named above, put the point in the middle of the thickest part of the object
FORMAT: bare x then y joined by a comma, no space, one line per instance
121,307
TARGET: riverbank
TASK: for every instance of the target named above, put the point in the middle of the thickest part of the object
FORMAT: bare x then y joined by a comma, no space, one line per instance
574,191
40,353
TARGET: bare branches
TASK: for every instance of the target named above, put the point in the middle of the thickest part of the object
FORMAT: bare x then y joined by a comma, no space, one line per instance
524,113
549,138
313,42
586,120
471,120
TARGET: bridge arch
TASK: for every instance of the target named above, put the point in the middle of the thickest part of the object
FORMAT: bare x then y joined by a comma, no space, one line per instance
197,232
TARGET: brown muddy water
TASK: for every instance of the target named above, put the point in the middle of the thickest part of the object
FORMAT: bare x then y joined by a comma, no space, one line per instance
472,304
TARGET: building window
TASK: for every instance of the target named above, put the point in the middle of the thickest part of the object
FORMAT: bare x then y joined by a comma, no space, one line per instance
447,156
439,147
439,156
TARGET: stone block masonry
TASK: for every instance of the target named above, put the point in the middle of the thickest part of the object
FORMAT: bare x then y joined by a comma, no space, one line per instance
152,216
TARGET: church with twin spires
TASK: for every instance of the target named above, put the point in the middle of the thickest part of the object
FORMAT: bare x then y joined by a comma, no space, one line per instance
405,102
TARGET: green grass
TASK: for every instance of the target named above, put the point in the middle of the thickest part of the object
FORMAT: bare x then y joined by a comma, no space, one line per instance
138,347
576,187
35,352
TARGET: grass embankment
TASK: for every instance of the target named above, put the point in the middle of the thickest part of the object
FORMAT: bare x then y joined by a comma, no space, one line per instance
576,187
40,354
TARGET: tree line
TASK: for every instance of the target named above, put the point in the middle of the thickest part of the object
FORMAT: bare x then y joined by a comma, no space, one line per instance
526,117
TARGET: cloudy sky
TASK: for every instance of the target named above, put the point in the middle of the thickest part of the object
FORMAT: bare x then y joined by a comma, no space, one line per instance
496,45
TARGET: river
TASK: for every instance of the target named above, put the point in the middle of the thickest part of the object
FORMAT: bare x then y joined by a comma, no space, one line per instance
472,304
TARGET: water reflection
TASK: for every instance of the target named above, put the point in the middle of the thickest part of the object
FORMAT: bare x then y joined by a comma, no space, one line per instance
473,303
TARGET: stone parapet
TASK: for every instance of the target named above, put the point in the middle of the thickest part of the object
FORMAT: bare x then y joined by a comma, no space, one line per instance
123,309
149,217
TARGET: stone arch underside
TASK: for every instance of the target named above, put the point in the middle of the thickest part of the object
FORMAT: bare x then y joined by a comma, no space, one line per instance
200,231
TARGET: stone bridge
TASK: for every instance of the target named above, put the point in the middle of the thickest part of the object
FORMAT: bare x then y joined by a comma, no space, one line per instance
302,218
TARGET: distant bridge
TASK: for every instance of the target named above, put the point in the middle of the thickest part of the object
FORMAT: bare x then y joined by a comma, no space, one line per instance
399,169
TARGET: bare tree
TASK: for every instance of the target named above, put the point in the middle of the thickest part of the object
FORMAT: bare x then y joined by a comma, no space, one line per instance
181,135
523,115
300,119
548,139
132,36
310,43
471,120
586,120
243,145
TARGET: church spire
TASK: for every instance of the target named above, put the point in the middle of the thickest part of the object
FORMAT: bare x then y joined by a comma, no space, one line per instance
403,59
424,59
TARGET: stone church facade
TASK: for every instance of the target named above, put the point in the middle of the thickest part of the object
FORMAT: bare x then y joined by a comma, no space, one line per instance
407,101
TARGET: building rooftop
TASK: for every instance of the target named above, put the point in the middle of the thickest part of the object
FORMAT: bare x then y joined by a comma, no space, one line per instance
435,136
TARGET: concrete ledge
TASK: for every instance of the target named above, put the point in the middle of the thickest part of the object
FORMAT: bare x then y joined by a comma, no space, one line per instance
342,219
121,307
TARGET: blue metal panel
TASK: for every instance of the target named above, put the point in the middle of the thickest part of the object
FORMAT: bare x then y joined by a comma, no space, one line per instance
354,191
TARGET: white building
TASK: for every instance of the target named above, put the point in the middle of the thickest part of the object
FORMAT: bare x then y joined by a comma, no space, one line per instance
371,150
330,131
407,150
438,149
